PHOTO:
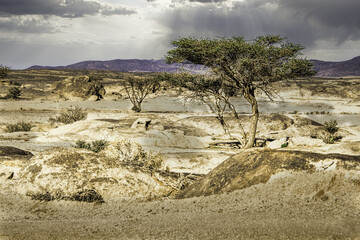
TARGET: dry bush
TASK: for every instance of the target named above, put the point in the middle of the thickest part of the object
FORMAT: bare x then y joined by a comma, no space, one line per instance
133,154
95,146
13,93
70,116
88,195
331,129
18,127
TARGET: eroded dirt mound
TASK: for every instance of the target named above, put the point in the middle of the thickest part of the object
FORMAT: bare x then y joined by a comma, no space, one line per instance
65,173
254,166
81,86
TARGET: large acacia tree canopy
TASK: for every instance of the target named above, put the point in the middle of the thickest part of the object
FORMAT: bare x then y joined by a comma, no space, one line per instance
257,63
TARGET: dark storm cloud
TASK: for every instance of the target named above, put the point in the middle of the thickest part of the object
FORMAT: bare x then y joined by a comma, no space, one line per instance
332,13
61,8
303,22
340,18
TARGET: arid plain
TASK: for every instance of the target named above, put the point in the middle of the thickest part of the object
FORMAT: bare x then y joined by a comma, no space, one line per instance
296,184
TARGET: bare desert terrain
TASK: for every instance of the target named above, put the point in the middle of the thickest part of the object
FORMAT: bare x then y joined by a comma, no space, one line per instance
198,183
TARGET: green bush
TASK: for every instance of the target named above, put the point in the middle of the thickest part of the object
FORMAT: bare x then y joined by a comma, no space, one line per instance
95,146
13,93
18,127
70,116
331,128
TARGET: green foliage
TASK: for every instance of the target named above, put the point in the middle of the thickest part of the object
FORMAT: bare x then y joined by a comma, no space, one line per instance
4,71
70,116
13,93
284,145
95,146
18,127
244,64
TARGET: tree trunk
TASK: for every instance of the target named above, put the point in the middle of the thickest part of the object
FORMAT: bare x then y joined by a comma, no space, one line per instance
136,106
250,97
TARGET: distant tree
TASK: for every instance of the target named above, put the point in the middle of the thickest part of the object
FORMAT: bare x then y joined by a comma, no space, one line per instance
96,87
245,65
4,71
138,88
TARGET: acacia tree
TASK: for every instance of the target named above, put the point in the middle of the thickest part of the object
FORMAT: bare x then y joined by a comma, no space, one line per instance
245,65
138,88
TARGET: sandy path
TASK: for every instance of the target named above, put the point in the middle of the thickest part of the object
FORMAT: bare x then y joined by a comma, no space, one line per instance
251,213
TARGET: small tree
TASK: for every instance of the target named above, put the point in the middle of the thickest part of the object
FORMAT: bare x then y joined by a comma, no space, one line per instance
245,65
96,87
4,71
138,88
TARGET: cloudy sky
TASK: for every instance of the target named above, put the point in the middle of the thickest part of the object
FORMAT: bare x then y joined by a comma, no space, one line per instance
62,32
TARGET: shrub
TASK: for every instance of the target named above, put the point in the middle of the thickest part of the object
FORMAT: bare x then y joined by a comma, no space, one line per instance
70,116
18,127
13,93
4,71
331,128
133,154
95,146
87,195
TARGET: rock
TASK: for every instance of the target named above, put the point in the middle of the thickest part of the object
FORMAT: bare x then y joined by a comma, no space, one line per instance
141,124
13,151
306,141
277,143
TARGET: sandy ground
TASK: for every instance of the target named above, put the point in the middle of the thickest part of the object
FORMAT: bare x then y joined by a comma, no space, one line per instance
259,212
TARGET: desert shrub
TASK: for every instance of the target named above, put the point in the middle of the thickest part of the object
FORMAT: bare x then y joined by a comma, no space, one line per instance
95,146
88,195
70,116
284,145
331,126
13,93
133,154
4,71
331,129
18,127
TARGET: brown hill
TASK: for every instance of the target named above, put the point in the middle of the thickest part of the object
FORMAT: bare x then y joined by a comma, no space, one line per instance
337,69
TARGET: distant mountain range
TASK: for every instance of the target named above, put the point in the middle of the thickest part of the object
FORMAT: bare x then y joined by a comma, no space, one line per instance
323,68
128,65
